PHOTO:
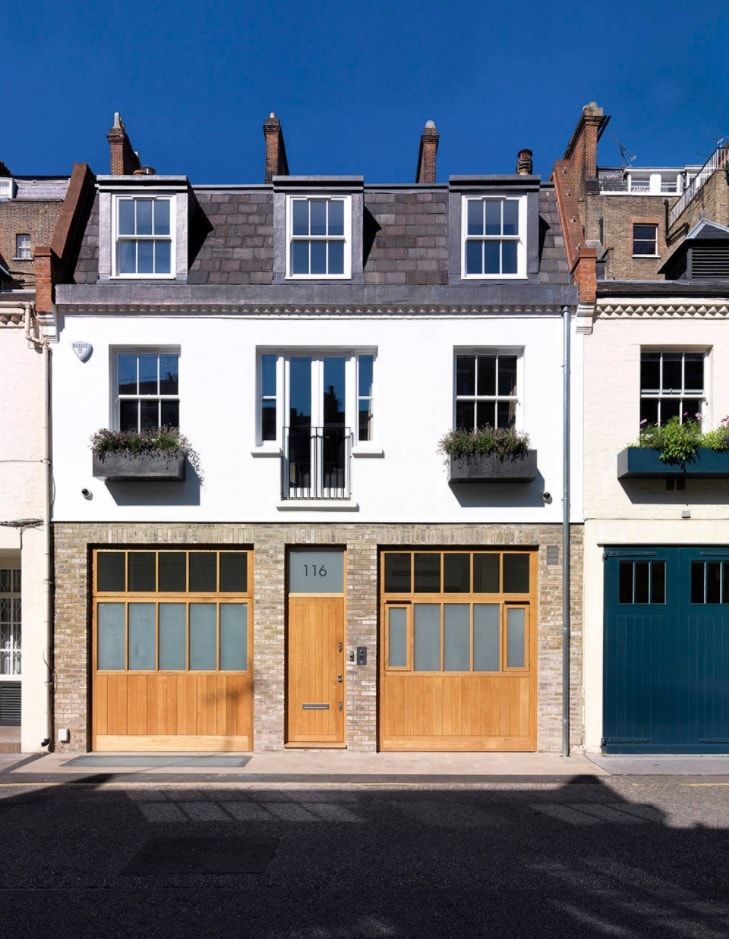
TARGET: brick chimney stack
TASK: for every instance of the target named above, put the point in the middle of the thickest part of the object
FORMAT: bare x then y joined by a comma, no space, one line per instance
4,170
124,160
524,163
582,147
425,172
276,162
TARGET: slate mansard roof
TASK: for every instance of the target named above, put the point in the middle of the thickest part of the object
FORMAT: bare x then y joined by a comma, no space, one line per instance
405,238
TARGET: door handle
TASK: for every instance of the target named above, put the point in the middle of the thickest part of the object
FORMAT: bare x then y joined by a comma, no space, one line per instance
340,706
339,678
340,647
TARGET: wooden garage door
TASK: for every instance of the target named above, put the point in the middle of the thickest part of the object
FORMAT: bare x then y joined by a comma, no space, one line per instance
171,645
458,650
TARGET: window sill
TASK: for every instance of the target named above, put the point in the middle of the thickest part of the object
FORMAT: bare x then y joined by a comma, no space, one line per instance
266,451
367,450
23,259
317,505
489,277
647,257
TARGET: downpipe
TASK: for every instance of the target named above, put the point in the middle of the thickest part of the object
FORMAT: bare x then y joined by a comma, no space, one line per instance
566,623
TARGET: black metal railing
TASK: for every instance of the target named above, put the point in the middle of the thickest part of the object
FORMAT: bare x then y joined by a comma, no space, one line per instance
316,462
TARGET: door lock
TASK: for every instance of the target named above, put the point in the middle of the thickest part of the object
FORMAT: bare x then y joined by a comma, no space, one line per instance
340,706
339,678
340,647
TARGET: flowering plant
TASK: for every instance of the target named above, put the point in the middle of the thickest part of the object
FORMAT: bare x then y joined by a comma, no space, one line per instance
679,442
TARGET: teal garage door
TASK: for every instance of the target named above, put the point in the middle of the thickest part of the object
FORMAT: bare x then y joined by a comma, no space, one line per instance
666,650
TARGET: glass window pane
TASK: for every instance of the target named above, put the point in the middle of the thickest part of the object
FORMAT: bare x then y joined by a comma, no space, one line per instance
691,409
694,372
149,414
397,634
336,257
465,415
658,582
126,217
145,257
365,367
487,375
474,257
493,216
515,637
641,574
234,636
516,573
511,217
233,571
492,257
161,216
268,375
127,257
110,571
649,411
475,217
505,413
427,637
365,421
672,368
457,637
507,375
111,635
141,636
697,581
650,371
427,573
142,575
486,414
625,577
162,257
268,420
486,573
318,216
318,257
336,217
486,637
713,582
644,232
300,257
170,413
128,415
465,374
670,407
148,374
168,374
316,571
172,631
126,366
301,217
202,636
397,573
144,216
203,571
172,571
725,583
457,573
508,257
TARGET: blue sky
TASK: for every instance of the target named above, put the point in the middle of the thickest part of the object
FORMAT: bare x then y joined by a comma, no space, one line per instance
354,82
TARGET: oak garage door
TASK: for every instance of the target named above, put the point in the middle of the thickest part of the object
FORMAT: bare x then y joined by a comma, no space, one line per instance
666,650
458,650
171,646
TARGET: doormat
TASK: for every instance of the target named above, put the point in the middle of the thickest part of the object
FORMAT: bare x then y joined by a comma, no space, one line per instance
204,855
150,761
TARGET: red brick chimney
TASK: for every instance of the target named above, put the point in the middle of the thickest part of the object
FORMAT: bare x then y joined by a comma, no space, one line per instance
425,172
124,160
524,163
276,161
582,148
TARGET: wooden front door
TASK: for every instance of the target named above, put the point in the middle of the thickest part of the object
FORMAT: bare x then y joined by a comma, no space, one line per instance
171,650
458,650
315,649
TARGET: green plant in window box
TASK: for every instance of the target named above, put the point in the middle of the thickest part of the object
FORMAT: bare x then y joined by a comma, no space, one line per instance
154,442
678,442
468,445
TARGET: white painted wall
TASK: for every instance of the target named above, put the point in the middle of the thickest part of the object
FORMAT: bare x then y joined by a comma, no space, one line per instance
413,407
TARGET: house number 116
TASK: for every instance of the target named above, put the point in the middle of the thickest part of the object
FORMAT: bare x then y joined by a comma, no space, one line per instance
314,570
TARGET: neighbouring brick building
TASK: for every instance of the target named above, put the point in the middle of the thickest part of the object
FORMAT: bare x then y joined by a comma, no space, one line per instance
322,576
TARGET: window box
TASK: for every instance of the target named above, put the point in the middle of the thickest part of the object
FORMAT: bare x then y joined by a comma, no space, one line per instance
494,468
645,463
169,466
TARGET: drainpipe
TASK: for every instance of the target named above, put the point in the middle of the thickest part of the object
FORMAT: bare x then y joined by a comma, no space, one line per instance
566,625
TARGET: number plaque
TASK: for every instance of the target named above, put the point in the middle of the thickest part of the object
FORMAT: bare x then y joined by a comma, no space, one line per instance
316,571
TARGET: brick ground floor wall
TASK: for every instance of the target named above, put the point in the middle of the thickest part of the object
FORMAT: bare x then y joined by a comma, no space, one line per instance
75,541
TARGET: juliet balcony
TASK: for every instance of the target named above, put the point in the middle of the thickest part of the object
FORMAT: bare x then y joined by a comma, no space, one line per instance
316,463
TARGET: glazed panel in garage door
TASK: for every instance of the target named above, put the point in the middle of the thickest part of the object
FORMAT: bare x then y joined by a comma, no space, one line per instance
172,650
458,650
666,650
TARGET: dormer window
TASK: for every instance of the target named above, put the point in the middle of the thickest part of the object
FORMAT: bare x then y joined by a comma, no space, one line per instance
144,236
318,237
494,237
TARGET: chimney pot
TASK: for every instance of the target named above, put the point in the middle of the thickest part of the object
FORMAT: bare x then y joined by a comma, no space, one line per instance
124,160
145,171
524,163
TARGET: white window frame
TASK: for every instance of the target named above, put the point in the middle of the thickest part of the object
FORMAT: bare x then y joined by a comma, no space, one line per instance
633,239
493,352
116,238
345,239
672,394
23,250
520,238
116,398
13,650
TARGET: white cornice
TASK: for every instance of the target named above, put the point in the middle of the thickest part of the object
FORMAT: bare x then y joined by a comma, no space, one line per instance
652,307
333,311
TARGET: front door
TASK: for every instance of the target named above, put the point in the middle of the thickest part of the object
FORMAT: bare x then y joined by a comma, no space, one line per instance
315,648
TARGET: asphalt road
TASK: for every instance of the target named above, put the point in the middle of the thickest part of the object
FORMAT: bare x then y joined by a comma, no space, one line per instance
630,856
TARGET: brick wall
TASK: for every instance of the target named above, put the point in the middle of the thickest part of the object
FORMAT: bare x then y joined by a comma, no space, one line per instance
34,217
618,214
269,541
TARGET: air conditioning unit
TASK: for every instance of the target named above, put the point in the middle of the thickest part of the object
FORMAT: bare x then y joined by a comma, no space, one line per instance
7,187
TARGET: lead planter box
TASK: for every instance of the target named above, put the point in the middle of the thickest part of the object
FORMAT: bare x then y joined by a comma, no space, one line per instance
168,466
491,468
646,463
